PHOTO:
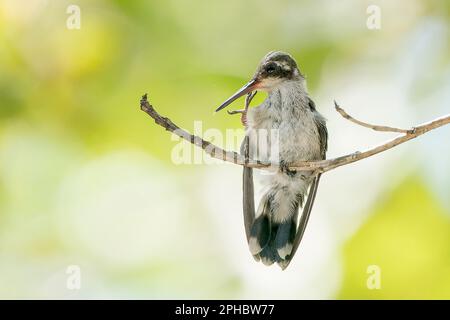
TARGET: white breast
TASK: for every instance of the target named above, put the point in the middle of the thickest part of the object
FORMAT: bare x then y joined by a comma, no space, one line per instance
283,127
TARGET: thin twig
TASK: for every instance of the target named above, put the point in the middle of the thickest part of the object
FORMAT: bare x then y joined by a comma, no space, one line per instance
318,166
368,125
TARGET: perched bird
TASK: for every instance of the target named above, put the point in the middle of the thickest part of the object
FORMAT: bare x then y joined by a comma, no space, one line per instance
274,232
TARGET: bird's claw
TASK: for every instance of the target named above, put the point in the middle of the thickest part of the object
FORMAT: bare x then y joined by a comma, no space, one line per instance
243,112
231,112
284,168
249,98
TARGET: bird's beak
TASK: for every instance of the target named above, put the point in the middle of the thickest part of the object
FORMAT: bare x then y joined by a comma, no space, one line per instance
249,87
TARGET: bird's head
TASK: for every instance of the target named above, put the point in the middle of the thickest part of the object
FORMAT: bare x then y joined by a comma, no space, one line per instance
274,69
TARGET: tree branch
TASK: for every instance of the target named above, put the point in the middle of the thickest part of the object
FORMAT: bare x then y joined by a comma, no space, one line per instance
318,166
368,125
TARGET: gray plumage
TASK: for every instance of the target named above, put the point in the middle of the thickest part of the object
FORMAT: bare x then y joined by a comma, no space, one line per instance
275,230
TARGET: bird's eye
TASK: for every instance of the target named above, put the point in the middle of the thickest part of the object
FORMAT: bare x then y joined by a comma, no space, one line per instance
270,69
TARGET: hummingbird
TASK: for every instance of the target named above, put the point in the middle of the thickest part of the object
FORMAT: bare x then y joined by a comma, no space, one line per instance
275,230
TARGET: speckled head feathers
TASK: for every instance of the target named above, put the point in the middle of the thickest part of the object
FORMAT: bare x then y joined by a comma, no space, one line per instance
278,64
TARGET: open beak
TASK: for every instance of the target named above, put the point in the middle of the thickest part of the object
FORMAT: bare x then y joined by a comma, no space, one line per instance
249,87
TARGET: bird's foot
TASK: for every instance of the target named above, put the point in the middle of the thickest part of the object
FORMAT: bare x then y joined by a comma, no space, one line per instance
248,99
284,168
243,113
235,111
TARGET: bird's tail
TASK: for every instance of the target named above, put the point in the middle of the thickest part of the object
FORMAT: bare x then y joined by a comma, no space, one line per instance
273,241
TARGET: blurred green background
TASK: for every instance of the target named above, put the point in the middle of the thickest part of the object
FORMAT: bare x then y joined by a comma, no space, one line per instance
87,179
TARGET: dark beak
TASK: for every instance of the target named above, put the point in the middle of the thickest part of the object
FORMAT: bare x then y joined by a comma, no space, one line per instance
249,87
